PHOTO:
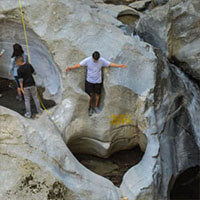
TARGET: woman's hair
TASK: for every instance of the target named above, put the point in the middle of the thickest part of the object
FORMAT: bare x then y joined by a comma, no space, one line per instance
17,50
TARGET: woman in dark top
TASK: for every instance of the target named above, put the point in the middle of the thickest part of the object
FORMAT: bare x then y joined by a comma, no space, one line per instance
17,51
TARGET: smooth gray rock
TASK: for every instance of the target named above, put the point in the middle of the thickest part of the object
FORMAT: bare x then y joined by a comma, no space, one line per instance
97,135
140,5
47,72
159,2
177,109
174,28
162,102
36,164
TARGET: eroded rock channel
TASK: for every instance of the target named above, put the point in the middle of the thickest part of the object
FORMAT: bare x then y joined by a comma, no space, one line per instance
114,167
152,103
47,73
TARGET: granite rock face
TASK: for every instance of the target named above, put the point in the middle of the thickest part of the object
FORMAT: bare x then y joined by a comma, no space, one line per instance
174,28
159,2
140,105
99,134
178,129
140,5
48,75
36,164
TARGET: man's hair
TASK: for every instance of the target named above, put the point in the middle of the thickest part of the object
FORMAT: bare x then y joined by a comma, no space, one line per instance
96,55
19,58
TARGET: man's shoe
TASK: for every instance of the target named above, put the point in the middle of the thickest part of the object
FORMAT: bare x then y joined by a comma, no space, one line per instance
27,115
90,112
97,110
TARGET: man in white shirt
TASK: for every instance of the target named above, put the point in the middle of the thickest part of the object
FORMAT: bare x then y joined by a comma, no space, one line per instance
93,82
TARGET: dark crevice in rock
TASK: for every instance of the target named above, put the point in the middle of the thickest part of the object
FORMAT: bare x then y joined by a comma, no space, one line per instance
128,19
114,167
156,3
129,24
177,100
119,2
187,185
153,38
184,67
8,99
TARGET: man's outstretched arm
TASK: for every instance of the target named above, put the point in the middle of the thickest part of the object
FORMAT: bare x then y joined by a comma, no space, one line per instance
73,67
116,65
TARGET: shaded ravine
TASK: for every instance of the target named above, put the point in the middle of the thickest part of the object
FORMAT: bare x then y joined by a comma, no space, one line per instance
187,188
179,135
114,167
194,105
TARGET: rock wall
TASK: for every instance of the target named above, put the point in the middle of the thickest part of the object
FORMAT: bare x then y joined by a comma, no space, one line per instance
36,164
47,72
174,28
177,129
162,102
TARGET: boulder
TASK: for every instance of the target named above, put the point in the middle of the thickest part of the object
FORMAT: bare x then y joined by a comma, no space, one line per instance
140,5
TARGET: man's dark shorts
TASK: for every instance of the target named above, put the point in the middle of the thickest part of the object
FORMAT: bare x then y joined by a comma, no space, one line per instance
93,87
17,81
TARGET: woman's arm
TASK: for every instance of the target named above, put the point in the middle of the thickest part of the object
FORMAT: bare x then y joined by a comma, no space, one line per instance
12,65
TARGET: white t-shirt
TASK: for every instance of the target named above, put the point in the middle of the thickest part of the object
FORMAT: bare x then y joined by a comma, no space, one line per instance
94,74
